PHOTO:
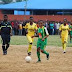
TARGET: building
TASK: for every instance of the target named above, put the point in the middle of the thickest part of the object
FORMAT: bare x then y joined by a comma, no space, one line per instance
38,7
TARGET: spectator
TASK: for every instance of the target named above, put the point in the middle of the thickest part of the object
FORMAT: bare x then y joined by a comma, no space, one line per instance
51,28
12,23
55,28
58,25
46,24
16,28
20,28
23,29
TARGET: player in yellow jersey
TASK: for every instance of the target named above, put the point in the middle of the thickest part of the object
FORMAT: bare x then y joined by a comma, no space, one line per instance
31,29
64,28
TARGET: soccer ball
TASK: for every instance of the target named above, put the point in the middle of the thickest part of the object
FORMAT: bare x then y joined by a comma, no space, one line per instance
28,59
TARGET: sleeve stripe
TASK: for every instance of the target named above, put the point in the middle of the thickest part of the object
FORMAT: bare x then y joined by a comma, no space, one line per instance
46,31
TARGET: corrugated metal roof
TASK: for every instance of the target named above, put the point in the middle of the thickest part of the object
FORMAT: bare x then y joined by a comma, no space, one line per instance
40,4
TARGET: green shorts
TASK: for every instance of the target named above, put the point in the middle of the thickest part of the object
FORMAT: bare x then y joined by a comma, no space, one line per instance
70,33
41,44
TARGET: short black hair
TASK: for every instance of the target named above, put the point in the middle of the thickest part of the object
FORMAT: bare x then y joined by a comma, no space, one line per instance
41,21
5,16
31,17
65,19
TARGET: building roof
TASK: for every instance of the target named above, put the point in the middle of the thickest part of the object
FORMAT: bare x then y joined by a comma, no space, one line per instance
40,4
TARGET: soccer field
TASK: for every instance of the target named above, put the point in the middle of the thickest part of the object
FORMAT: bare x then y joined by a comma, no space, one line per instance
15,60
52,41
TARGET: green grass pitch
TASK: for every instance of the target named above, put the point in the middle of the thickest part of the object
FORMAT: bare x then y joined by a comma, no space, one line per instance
53,40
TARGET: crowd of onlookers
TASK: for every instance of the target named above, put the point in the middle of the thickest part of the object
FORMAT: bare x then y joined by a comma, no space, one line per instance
52,27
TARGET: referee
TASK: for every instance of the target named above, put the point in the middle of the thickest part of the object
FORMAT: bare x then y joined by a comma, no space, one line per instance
6,32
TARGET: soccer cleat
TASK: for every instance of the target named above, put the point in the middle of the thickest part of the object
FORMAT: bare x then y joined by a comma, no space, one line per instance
48,57
64,52
38,61
29,53
4,52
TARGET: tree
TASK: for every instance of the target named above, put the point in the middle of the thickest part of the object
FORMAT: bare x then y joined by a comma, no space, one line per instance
7,1
18,0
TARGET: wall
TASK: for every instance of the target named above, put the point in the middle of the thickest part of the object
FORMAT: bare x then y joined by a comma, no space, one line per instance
38,17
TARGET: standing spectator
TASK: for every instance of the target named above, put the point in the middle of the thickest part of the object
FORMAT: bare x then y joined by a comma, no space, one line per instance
51,28
23,28
55,28
58,25
46,25
20,28
12,23
16,28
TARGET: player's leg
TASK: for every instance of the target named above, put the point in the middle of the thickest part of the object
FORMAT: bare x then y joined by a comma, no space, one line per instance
70,38
7,43
45,43
3,47
65,44
3,43
38,54
62,38
30,44
7,46
38,51
43,50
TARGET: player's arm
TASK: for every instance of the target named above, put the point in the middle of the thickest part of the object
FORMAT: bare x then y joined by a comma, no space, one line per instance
0,26
36,32
35,29
37,35
69,29
60,29
47,34
26,28
60,34
10,28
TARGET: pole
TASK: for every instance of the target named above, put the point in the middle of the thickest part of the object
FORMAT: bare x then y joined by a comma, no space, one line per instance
25,9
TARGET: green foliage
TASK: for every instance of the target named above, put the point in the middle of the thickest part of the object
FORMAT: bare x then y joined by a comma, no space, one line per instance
7,1
18,0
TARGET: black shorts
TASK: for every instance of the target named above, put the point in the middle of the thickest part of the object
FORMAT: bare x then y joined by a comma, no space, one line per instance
5,38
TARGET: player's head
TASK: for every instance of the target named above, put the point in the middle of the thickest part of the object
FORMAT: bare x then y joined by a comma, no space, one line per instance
31,19
5,17
71,23
65,21
41,23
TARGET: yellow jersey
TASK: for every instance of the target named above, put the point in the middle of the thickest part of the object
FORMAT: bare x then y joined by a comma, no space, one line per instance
31,28
20,26
64,30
